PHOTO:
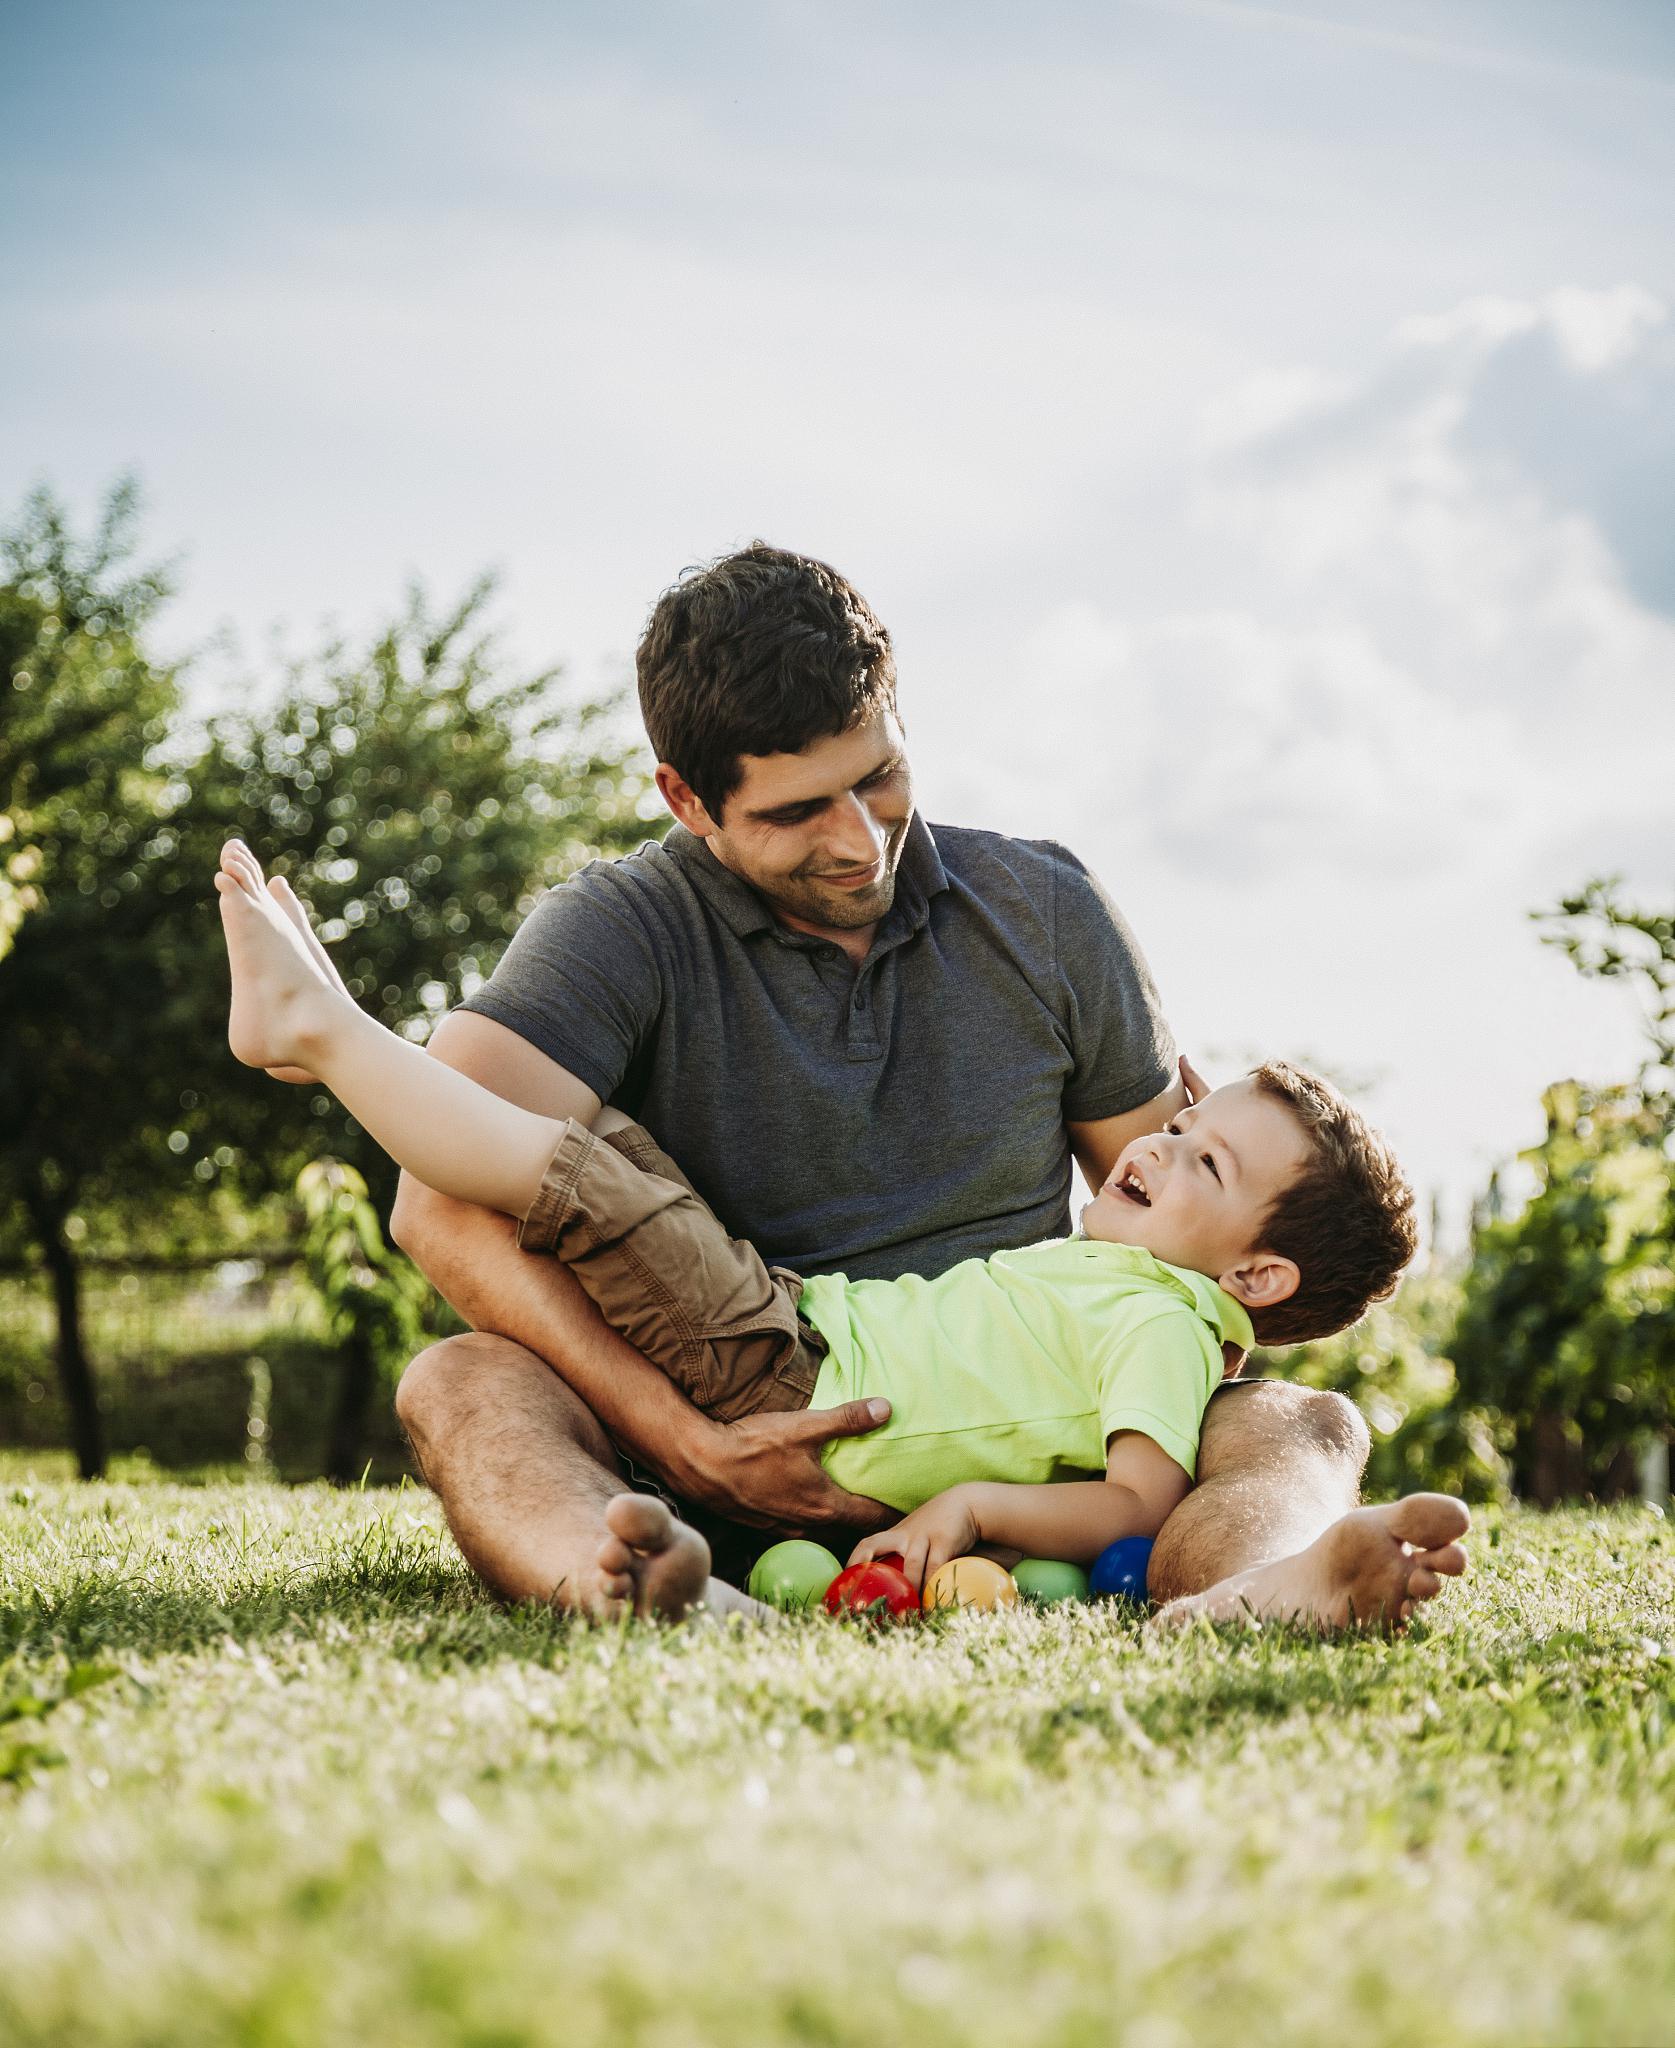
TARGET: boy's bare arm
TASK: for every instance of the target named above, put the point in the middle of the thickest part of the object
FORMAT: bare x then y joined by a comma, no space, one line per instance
1071,1519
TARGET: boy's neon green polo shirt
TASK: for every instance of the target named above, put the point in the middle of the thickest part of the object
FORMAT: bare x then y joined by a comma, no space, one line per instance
1019,1367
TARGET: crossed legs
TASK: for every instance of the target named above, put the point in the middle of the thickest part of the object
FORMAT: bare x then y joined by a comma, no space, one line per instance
534,1493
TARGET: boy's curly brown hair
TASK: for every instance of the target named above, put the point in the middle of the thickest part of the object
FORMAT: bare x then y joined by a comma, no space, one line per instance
1347,1221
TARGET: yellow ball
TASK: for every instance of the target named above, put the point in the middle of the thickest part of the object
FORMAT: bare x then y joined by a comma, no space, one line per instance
970,1582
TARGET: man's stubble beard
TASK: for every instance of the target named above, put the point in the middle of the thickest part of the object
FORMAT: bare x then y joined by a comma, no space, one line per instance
842,910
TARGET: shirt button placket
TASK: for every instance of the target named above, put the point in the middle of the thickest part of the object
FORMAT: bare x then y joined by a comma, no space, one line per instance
863,1038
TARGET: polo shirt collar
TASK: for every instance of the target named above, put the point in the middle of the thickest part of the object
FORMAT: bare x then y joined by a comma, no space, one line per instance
919,877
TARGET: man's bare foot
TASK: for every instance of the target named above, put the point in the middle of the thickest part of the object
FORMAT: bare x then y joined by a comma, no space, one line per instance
648,1563
1369,1570
281,996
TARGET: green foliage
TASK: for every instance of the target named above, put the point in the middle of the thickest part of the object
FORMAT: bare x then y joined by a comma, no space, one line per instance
1395,1365
23,1749
416,795
371,1297
418,800
1607,938
1567,1318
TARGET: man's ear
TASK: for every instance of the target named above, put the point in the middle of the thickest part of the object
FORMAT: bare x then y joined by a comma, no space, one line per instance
1263,1280
684,801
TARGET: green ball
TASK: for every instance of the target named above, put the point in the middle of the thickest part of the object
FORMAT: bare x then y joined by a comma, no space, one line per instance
793,1575
1045,1580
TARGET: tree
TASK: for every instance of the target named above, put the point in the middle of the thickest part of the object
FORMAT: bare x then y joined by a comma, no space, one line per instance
418,799
412,792
86,795
1567,1317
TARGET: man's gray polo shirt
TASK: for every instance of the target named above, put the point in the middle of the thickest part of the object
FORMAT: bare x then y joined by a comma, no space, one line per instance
892,1120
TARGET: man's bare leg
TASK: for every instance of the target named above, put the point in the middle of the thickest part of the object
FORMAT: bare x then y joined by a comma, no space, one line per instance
1273,1528
534,1494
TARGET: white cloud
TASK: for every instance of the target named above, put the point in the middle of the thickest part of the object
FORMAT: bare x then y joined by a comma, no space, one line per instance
1427,696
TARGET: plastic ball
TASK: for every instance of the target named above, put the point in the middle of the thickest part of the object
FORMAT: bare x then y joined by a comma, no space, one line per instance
1046,1580
876,1591
970,1582
793,1575
1119,1571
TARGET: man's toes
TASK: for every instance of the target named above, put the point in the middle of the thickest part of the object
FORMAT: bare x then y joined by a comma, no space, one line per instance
1422,1584
640,1521
614,1555
1450,1560
1428,1521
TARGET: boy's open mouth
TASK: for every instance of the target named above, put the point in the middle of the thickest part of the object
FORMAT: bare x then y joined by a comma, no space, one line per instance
1132,1189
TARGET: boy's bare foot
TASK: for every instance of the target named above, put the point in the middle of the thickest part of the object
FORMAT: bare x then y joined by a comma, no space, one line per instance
292,905
648,1562
1369,1570
281,995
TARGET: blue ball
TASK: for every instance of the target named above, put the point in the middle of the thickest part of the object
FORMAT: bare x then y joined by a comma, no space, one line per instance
1119,1572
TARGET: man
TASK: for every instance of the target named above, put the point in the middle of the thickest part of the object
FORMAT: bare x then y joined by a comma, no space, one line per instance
792,993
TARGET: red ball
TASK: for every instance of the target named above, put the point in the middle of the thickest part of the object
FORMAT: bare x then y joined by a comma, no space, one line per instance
878,1589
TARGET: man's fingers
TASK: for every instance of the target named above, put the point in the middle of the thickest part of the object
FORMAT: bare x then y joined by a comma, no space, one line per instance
854,1418
1196,1086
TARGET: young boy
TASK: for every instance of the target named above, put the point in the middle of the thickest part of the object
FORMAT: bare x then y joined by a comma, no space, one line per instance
1267,1210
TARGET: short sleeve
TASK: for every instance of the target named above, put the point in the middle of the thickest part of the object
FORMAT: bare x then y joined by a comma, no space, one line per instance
1124,1051
580,980
1158,1379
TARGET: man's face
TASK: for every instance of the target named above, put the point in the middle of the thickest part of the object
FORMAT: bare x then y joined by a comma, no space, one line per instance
1196,1193
820,833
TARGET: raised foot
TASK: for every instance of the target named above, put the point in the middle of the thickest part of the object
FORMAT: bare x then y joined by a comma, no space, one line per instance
1370,1569
648,1562
283,997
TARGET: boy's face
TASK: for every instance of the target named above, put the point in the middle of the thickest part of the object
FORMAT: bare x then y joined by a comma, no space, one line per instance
1196,1193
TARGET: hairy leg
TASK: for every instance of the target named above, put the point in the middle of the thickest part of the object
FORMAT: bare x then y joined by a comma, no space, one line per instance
533,1491
1272,1529
1277,1465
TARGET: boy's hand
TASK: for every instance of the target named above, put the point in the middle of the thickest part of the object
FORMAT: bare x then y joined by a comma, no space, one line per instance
943,1528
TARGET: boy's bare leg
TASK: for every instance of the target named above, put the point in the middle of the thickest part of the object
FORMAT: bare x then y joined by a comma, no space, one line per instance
534,1495
1273,1528
291,1014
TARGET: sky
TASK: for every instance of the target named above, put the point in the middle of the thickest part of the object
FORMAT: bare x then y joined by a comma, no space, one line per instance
1256,425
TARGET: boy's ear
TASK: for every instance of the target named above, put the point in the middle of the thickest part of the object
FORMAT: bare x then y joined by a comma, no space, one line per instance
1263,1280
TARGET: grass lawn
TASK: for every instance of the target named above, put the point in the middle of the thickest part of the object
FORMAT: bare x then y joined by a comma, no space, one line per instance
292,1780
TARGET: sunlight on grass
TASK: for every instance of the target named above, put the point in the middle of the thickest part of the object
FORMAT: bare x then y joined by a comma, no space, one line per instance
288,1778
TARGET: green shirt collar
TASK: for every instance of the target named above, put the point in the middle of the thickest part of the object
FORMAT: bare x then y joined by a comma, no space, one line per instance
1228,1318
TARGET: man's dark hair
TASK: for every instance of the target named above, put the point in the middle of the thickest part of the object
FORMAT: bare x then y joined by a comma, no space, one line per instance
1347,1220
762,652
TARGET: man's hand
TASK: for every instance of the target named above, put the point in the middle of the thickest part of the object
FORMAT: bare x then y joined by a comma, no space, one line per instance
765,1470
943,1528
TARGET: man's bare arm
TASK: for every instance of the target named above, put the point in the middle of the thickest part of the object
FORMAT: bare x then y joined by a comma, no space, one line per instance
764,1470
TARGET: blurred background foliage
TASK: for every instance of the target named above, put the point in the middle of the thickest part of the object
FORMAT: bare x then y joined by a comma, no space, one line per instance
194,1261
417,796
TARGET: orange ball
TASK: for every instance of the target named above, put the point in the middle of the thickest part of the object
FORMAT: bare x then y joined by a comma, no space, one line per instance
970,1582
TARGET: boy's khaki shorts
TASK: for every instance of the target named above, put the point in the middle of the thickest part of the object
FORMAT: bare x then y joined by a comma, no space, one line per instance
661,1268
